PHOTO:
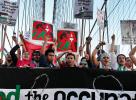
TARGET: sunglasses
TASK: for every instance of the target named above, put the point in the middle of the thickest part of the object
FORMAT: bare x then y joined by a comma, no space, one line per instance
83,64
36,55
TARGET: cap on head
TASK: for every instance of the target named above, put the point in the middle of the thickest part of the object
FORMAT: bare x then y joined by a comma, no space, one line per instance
104,55
99,54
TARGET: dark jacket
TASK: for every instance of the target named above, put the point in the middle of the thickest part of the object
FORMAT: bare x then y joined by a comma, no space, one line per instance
45,63
13,55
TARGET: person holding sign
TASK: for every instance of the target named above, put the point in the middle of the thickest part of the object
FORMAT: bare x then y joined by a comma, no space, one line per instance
105,60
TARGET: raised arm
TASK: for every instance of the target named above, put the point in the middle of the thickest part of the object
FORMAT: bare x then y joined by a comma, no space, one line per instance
112,53
22,39
58,57
44,47
18,50
132,55
88,47
94,59
88,52
112,49
13,50
61,55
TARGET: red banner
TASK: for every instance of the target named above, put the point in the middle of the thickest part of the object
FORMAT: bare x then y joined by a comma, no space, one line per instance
42,29
67,40
30,46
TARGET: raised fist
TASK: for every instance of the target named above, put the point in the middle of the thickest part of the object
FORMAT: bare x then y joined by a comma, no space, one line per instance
88,40
102,43
14,38
113,37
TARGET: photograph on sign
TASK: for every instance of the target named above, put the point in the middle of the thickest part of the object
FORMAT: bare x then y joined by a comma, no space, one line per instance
67,40
69,25
128,31
83,9
100,18
41,30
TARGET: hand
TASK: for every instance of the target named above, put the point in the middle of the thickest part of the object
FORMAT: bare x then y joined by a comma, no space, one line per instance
102,43
69,51
88,40
55,41
53,47
99,45
14,38
14,34
21,36
113,37
80,48
46,38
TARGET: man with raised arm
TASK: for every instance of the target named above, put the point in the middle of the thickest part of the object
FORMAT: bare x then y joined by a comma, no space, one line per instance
47,55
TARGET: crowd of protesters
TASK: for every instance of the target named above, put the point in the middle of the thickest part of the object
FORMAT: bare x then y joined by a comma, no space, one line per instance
46,57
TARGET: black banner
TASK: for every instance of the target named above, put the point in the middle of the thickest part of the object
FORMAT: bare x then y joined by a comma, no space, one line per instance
67,78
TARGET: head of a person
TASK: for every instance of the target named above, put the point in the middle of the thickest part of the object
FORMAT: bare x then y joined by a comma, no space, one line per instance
83,63
105,59
121,59
8,58
99,54
129,63
26,55
1,61
63,35
36,55
70,59
49,54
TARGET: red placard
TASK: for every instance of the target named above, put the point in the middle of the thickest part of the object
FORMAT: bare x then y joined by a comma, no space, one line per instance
42,29
67,40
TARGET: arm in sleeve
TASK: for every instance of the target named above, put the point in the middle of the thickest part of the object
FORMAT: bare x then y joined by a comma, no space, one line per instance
13,55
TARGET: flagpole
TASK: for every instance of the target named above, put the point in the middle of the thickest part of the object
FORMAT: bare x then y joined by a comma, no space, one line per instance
81,42
100,37
18,20
8,39
82,32
3,42
43,14
131,46
106,21
131,33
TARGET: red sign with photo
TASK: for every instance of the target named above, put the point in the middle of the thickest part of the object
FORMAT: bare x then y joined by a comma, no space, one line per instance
67,40
42,29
